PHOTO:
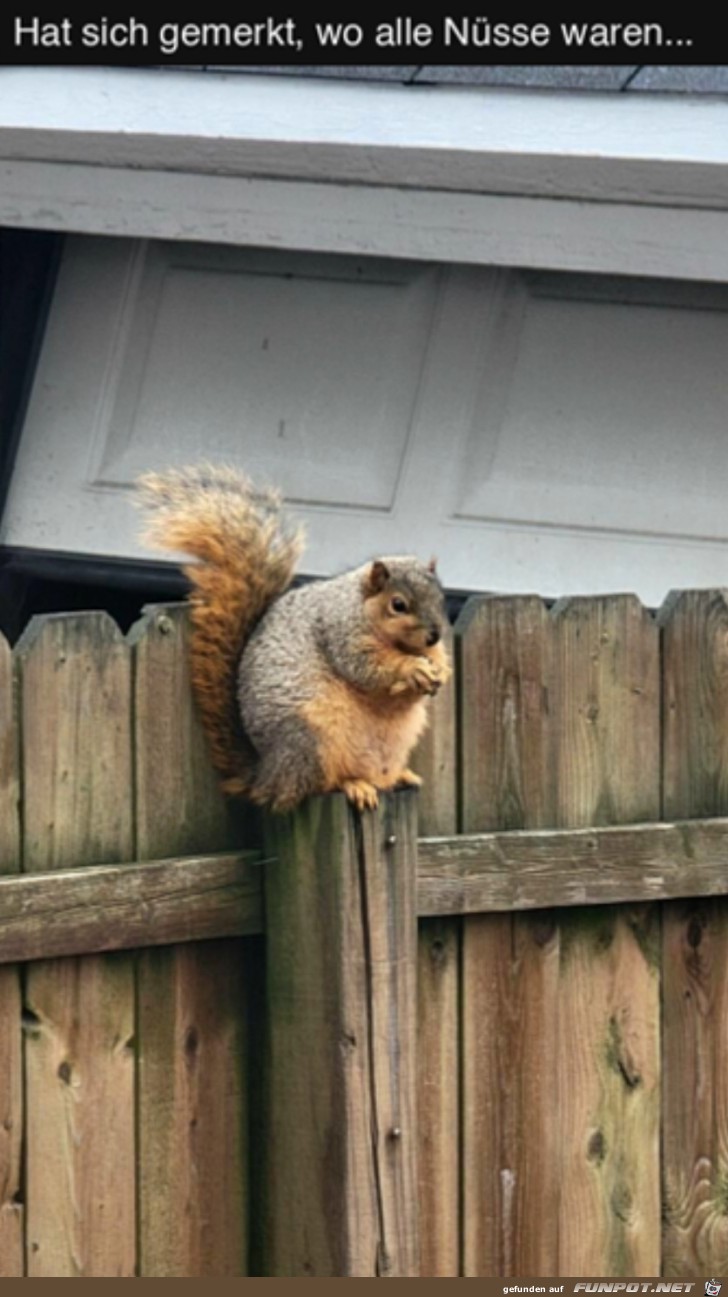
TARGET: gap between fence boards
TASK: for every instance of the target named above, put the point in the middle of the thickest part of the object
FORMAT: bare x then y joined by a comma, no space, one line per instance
117,907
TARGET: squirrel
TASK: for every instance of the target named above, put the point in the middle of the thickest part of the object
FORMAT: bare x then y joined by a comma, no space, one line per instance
307,690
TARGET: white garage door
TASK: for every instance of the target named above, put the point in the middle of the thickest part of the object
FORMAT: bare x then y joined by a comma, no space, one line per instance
555,433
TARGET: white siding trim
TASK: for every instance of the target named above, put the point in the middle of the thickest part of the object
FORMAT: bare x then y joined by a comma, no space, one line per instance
609,146
460,228
605,182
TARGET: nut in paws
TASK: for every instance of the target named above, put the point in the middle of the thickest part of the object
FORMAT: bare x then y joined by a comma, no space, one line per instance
428,676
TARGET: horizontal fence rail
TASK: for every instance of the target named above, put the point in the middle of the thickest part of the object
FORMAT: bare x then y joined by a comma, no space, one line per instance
537,869
194,898
122,907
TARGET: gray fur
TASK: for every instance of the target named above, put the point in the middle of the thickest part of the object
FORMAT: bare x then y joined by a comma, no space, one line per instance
276,771
312,633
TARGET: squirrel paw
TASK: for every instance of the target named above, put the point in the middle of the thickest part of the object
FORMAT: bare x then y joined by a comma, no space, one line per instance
363,794
408,779
421,674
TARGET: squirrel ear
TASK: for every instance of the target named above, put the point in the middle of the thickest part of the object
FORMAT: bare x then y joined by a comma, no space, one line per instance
376,578
432,565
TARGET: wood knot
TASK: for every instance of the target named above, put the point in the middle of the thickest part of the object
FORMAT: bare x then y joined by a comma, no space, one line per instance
597,1147
622,1203
543,931
437,950
619,1056
695,931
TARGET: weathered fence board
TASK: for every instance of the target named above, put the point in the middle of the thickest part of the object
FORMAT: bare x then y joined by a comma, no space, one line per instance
180,808
11,1127
435,759
544,756
76,720
76,724
9,771
193,1110
695,944
11,1098
438,1025
511,1165
504,649
79,1025
508,974
341,970
608,1064
438,1063
192,1010
605,701
606,696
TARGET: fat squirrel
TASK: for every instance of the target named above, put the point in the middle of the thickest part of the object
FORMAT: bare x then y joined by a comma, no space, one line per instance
331,678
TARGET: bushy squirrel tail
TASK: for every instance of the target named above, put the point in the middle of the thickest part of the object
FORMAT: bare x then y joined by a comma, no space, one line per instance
246,556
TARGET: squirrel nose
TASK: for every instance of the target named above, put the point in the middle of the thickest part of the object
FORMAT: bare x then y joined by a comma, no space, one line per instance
433,637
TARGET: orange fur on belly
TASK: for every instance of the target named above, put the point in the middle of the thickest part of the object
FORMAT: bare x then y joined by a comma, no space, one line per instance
362,737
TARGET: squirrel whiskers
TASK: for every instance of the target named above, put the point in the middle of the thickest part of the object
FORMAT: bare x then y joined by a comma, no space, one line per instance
300,691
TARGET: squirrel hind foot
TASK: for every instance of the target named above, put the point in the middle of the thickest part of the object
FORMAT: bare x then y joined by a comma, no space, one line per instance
361,794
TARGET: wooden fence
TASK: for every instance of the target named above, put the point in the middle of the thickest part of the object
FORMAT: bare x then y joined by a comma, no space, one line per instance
496,1045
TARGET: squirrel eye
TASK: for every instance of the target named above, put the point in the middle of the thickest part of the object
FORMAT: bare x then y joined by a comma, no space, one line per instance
398,604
